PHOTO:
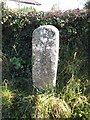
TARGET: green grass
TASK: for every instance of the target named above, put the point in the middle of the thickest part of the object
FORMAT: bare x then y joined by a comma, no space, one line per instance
69,103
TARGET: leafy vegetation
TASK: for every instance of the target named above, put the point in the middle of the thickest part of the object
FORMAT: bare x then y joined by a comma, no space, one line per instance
70,103
87,5
71,98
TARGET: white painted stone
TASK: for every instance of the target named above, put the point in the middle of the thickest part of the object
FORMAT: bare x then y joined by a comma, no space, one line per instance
45,50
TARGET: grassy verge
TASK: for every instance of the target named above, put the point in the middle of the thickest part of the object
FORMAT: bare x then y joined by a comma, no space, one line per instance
70,103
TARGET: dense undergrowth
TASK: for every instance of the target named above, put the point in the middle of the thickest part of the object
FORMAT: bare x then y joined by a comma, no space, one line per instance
70,103
71,98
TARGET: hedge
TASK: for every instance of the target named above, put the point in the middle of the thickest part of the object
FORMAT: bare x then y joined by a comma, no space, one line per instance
17,31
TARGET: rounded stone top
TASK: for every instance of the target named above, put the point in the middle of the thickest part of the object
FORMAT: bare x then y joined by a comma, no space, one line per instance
50,27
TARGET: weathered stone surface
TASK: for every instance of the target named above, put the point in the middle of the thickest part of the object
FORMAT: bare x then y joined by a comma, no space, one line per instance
45,48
